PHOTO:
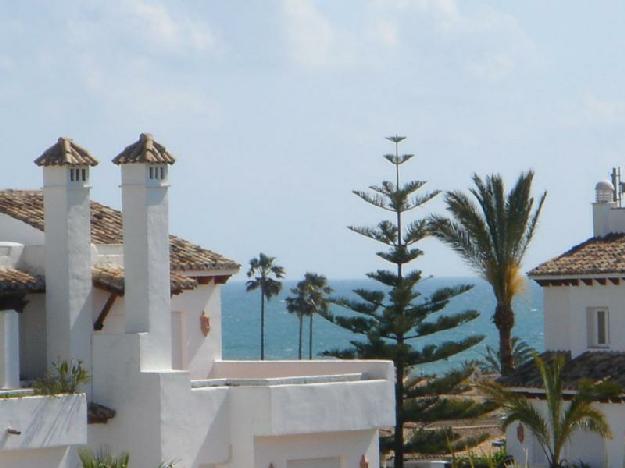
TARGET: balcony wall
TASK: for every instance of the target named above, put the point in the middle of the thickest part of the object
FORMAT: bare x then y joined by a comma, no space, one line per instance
43,422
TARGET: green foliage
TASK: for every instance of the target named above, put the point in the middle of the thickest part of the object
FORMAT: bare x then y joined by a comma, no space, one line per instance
102,459
309,297
392,318
264,274
522,353
63,377
492,231
499,459
430,399
562,420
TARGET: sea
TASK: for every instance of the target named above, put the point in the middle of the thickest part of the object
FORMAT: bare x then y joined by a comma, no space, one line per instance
241,321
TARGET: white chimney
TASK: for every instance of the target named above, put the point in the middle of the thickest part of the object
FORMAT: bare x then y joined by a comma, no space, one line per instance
67,222
145,216
607,216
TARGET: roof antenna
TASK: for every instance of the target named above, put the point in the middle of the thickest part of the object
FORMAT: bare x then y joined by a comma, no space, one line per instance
619,186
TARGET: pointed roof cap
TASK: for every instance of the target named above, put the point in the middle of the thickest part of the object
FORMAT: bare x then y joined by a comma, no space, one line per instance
145,151
66,153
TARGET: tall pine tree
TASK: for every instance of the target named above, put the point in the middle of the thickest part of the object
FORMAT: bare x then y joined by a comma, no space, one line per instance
393,318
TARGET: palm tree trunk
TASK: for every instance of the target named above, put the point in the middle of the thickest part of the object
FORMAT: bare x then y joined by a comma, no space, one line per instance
301,328
504,321
262,325
310,336
398,442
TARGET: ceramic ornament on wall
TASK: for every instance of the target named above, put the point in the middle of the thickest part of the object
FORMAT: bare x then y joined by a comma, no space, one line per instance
205,324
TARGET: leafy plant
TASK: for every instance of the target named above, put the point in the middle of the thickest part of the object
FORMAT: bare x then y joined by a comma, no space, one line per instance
492,236
499,459
102,459
561,421
63,377
522,353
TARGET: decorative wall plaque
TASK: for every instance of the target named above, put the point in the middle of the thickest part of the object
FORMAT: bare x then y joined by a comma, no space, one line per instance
205,323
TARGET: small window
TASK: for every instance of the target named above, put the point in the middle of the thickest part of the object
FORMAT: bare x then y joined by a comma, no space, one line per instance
157,172
598,327
84,175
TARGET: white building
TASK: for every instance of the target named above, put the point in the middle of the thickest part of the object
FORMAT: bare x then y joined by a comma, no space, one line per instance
584,305
141,309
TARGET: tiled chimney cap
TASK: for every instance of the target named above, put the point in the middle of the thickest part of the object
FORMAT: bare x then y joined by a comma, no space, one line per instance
145,151
66,153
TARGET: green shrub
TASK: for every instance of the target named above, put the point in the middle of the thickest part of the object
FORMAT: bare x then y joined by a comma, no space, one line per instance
102,459
63,377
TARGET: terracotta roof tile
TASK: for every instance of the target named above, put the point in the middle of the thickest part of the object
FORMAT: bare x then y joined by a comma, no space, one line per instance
14,281
597,255
111,278
598,366
145,151
66,153
106,228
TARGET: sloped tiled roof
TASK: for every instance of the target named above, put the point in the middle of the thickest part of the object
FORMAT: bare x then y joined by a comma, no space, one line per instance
66,153
145,151
598,366
111,278
13,281
106,228
597,255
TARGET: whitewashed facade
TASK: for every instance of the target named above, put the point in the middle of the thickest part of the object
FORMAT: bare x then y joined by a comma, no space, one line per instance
144,316
584,318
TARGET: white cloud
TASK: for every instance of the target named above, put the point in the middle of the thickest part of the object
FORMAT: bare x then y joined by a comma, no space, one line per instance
309,33
140,25
486,43
157,26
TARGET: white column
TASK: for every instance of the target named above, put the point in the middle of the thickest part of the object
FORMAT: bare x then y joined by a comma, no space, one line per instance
68,266
10,346
146,265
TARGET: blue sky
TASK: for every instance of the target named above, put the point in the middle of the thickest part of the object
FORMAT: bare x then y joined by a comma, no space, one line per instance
277,109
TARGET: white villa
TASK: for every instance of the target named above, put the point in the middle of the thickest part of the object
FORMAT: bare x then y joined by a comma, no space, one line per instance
141,309
584,304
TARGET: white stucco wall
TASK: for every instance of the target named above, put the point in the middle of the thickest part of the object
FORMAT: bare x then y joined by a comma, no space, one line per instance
32,324
566,326
57,457
14,230
146,264
68,266
43,422
199,351
342,449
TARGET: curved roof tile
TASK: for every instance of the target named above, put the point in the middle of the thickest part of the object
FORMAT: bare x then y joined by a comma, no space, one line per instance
145,151
66,153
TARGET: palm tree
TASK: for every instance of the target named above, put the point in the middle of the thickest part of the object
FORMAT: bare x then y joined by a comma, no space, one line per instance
310,297
262,272
522,353
561,420
493,237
